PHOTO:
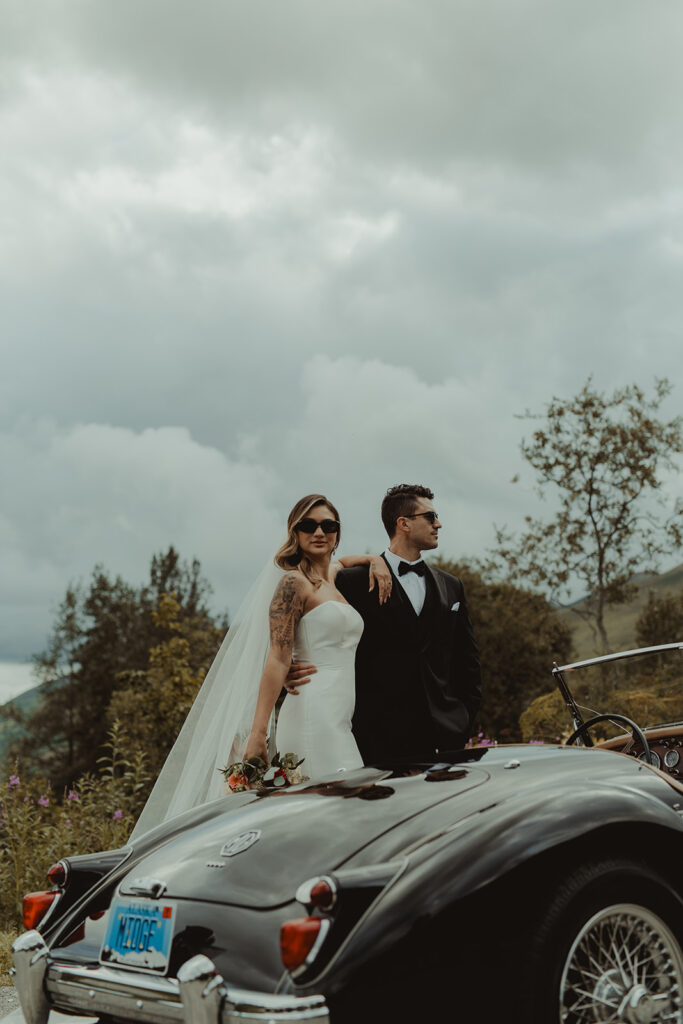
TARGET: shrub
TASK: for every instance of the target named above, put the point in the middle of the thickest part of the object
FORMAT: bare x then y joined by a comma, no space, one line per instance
6,940
36,829
547,717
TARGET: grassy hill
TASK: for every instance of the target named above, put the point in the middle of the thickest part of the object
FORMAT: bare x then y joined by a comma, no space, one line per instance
621,621
10,730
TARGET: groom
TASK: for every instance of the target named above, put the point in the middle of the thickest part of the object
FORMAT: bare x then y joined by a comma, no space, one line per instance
418,682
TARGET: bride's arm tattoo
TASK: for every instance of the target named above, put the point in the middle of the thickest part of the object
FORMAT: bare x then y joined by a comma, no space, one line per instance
286,609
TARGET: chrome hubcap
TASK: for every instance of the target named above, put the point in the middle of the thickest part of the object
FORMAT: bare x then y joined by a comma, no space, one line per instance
624,967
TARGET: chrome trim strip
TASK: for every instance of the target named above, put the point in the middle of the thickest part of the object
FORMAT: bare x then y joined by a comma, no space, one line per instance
49,913
199,997
619,656
103,990
74,915
243,1007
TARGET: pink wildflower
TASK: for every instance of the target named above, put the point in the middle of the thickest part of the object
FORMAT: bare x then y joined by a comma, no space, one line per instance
44,801
14,781
117,814
72,795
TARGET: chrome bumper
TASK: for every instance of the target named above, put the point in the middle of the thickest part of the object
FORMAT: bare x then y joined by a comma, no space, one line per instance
198,996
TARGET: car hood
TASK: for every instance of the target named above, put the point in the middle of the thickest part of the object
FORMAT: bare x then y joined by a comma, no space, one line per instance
255,855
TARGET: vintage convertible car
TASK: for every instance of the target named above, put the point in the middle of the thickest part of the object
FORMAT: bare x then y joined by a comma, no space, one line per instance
532,883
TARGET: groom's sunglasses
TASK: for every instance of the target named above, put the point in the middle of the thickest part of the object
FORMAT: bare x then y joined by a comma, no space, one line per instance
311,525
431,517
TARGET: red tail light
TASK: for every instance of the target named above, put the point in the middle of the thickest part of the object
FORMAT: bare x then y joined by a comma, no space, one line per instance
322,895
298,939
57,874
36,906
320,892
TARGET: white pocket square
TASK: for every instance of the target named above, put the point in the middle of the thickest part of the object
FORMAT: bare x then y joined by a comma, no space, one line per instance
454,607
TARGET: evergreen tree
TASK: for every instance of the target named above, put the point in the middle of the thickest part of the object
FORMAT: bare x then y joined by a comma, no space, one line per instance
101,633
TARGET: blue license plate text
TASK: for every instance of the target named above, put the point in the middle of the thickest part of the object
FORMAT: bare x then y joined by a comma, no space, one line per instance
139,934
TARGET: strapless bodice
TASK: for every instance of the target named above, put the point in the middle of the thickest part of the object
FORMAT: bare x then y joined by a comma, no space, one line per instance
316,723
328,635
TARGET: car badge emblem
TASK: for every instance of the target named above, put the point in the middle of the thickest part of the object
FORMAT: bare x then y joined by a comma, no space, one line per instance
241,843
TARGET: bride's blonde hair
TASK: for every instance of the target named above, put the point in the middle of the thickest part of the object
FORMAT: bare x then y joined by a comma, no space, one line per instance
290,555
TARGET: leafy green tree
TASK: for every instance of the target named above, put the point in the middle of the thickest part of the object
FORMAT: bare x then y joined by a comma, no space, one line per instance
601,460
519,636
100,633
155,703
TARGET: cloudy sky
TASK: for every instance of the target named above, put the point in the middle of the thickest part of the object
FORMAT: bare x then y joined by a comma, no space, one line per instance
249,251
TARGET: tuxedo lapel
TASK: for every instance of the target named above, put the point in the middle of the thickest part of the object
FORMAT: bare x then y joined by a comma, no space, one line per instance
436,585
399,605
439,586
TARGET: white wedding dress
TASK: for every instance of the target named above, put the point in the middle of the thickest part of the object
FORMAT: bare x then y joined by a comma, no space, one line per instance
316,722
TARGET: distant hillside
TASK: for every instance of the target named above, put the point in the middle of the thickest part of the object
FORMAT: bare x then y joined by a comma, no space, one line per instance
9,730
621,621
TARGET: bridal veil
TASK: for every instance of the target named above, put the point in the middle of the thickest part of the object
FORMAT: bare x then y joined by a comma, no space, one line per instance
217,727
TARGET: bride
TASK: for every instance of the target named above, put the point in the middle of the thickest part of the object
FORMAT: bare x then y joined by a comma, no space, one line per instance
294,610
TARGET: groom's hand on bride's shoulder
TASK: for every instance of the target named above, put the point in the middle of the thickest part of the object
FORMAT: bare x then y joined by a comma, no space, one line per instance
379,573
298,675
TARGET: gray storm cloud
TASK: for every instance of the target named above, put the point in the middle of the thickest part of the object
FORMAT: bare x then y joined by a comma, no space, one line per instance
248,253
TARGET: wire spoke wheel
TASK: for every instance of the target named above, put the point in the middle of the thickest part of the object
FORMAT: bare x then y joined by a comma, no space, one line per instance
625,966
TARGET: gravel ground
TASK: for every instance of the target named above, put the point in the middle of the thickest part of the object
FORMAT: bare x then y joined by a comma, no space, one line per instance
11,1014
8,1000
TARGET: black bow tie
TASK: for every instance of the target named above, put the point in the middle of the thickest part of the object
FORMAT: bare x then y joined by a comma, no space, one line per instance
417,567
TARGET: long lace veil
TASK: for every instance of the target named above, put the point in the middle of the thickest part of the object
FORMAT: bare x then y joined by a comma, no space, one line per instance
218,724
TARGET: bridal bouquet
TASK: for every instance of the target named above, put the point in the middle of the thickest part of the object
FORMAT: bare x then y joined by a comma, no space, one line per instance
254,773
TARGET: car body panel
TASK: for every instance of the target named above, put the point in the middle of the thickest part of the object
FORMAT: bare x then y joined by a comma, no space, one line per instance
414,853
297,834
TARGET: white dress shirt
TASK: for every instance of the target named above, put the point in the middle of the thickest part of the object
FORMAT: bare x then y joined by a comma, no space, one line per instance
414,586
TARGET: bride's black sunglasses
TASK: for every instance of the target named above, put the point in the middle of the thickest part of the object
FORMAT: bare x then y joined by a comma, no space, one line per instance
309,525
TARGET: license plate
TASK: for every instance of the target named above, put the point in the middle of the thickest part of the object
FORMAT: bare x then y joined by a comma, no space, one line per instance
139,934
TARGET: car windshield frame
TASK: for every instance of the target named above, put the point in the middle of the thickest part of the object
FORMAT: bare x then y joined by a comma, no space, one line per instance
565,690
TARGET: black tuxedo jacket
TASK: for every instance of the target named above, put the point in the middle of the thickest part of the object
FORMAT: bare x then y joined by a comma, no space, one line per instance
418,681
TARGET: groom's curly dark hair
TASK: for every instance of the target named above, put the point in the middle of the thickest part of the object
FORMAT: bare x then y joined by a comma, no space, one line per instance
401,501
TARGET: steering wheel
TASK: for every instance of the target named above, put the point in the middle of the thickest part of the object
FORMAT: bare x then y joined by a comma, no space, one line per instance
637,732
